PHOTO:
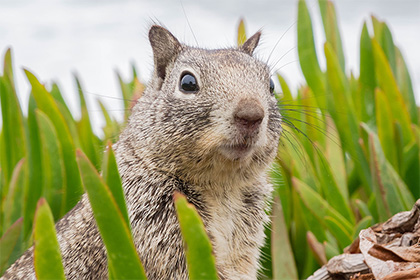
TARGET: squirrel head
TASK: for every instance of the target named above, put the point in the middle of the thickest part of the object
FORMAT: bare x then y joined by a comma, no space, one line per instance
206,113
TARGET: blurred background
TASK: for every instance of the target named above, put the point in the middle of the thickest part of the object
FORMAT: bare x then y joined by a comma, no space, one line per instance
96,38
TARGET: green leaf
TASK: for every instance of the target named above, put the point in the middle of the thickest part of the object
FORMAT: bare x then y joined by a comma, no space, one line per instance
123,260
332,33
287,94
362,224
112,128
8,242
58,97
384,38
47,104
406,87
8,67
33,190
283,190
200,259
385,130
367,79
47,258
410,168
298,236
333,194
307,54
52,165
335,157
127,94
331,249
345,118
314,125
342,236
13,126
241,33
12,207
318,206
282,255
86,135
392,195
65,111
388,84
113,180
363,208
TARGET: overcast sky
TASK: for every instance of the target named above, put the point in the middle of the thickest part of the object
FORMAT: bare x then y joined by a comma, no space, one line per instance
55,38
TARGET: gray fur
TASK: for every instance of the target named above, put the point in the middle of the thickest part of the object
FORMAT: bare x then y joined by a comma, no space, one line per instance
192,143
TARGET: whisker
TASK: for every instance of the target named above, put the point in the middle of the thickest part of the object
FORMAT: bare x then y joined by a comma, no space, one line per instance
278,41
188,22
275,64
109,97
290,62
318,128
295,144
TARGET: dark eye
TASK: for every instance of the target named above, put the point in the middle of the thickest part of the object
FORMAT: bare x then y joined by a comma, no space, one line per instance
271,86
188,83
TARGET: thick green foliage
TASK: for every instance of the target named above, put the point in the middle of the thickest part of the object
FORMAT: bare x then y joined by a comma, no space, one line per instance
349,157
362,162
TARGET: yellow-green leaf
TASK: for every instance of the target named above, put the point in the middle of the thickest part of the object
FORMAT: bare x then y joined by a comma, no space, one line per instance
47,257
8,242
198,250
307,54
283,262
46,103
388,84
123,260
241,33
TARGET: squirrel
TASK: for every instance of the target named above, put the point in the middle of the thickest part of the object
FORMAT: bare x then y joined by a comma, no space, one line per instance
207,126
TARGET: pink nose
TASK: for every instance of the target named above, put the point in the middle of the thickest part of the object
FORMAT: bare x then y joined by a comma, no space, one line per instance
248,115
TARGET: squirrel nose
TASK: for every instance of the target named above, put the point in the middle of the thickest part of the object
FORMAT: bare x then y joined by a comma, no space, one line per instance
248,115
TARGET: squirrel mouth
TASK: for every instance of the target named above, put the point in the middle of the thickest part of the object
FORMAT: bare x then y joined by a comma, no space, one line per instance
236,151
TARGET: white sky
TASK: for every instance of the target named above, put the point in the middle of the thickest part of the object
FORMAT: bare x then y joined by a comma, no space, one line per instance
55,38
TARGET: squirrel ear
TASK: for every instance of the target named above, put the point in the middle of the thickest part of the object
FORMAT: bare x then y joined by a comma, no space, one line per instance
250,44
165,49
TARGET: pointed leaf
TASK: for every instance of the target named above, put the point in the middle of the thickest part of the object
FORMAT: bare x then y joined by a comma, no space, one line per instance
345,119
47,104
47,257
12,207
113,180
392,195
362,224
332,33
200,259
343,237
406,87
332,192
307,54
12,127
388,84
33,190
52,165
123,260
367,79
86,135
385,128
8,242
241,33
318,206
284,266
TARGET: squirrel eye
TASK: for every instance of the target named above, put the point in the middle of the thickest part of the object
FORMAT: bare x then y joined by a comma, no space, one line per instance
188,83
271,86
